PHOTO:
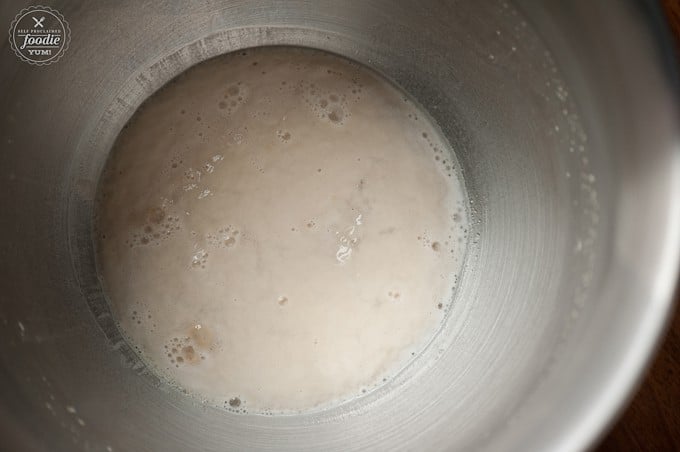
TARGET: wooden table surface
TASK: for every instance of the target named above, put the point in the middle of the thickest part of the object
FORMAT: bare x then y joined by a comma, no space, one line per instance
652,421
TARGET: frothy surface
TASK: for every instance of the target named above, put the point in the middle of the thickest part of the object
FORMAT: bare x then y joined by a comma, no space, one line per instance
279,229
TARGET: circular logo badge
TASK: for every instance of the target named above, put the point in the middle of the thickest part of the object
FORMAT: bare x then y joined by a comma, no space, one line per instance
39,35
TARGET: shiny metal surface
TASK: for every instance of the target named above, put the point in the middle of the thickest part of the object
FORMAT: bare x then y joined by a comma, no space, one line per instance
565,120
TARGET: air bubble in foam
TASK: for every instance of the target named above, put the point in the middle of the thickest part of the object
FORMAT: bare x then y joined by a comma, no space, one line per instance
283,135
157,228
199,259
205,193
224,238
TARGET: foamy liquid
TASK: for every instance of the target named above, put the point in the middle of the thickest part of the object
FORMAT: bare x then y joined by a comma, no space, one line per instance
279,230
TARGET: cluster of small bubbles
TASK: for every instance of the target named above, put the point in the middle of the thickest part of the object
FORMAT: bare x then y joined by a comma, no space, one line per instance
204,193
199,259
348,240
328,105
574,140
193,178
257,163
158,227
476,237
393,294
237,136
263,105
190,348
439,156
224,238
261,114
568,132
66,414
233,97
446,245
235,405
356,88
428,242
175,162
182,351
560,92
138,316
337,115
70,409
283,135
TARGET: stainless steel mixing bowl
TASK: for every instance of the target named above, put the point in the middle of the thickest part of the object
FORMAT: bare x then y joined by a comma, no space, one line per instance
564,117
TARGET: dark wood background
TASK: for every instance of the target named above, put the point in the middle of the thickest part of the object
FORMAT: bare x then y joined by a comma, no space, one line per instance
652,421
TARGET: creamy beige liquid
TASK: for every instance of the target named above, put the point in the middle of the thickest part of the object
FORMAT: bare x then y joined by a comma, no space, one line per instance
280,229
